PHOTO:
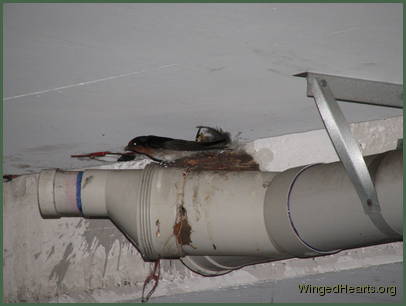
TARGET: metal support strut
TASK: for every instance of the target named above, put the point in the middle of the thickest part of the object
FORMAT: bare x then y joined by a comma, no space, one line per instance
325,89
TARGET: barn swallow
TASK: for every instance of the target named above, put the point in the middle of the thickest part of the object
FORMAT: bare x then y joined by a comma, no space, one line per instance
211,150
164,149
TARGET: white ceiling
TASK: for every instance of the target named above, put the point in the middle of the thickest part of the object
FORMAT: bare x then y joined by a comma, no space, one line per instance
89,77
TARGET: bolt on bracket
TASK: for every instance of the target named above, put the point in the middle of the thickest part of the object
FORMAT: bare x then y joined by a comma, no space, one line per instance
326,89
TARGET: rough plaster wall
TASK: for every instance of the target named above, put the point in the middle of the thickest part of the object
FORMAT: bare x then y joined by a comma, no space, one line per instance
293,150
89,77
44,258
74,259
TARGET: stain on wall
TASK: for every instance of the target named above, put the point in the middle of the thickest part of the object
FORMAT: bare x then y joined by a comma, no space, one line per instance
59,270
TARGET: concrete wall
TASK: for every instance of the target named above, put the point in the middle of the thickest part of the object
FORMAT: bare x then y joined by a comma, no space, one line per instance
75,259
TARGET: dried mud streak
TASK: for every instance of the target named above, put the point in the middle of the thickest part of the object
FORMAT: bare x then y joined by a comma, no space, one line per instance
60,269
87,181
182,229
100,232
51,252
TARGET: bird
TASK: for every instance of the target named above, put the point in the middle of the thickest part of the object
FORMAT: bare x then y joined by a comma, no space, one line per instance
212,149
167,150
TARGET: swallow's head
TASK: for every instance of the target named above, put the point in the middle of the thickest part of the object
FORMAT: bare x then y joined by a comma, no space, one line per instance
140,141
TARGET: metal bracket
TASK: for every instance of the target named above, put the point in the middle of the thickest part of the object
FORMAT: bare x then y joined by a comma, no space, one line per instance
359,91
325,89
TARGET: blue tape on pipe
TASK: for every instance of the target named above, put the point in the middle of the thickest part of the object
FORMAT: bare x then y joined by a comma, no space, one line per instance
79,190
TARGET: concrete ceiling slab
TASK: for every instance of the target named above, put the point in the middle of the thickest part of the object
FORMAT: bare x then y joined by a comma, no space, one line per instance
89,77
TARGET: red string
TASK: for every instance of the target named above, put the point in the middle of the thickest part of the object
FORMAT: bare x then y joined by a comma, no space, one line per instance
94,154
153,276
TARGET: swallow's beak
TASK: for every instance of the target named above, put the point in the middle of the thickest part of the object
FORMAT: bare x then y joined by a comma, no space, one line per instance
127,148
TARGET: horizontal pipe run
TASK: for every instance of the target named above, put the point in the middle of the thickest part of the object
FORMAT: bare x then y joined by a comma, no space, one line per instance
217,221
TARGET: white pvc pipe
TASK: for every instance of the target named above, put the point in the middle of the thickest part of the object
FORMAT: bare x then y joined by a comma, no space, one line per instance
217,221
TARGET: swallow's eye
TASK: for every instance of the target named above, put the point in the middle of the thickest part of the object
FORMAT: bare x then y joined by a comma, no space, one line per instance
132,143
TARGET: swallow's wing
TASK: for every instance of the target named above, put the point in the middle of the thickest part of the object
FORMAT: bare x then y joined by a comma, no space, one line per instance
157,142
183,145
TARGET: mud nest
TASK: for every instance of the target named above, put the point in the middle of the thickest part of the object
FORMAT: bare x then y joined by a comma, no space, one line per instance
225,160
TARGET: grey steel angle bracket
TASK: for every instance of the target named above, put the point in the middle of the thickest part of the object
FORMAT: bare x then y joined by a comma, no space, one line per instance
358,90
325,89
